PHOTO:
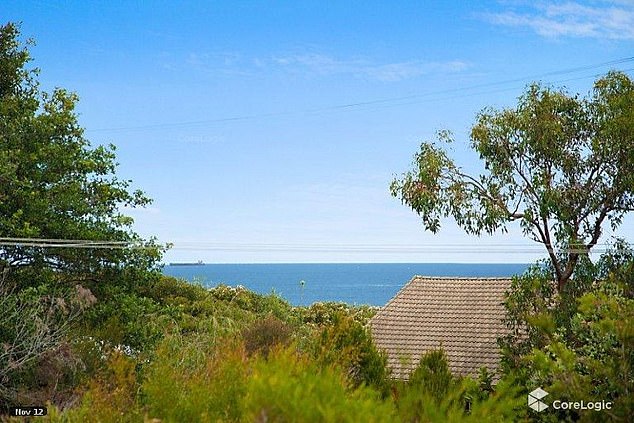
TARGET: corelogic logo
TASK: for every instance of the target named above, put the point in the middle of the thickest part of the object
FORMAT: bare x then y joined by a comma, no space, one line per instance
534,400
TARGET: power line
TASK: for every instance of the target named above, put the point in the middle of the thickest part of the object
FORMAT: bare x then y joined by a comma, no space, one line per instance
490,84
69,243
506,248
60,240
387,102
501,89
214,244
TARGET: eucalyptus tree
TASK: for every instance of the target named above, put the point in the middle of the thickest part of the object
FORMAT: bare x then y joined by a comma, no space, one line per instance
561,165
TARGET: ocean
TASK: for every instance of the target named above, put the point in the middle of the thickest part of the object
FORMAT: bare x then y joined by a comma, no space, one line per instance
353,283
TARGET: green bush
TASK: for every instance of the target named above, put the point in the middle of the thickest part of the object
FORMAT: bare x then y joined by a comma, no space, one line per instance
325,313
433,394
290,387
586,342
348,344
129,320
34,322
263,335
168,290
196,379
432,375
208,373
598,362
111,396
250,301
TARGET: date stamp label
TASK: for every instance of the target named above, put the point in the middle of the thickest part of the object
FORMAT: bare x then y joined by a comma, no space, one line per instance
28,411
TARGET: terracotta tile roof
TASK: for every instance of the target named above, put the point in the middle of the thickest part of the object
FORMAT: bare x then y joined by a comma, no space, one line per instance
463,315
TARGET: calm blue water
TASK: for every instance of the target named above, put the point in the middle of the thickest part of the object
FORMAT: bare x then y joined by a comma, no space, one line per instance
364,283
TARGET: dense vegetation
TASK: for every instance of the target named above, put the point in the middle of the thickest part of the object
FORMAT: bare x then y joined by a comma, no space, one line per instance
180,352
98,334
558,164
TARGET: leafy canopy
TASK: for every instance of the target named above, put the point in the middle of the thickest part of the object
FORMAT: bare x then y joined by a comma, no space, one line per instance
559,164
53,184
578,345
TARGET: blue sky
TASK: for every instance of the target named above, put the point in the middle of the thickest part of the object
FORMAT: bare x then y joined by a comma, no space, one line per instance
270,131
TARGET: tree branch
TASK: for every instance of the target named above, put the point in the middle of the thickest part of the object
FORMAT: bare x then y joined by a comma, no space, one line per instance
469,180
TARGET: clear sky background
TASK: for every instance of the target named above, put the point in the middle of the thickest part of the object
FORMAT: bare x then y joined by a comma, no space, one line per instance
270,131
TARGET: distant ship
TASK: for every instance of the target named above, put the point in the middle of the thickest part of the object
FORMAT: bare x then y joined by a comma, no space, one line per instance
198,263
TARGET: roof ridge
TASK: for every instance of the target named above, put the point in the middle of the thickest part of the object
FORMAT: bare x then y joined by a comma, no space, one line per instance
418,277
470,278
394,297
465,313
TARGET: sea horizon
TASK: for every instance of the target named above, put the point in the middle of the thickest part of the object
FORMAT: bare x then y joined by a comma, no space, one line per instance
353,283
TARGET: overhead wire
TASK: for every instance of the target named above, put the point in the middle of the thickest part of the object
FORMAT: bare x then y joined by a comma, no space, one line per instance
507,248
384,102
67,243
387,102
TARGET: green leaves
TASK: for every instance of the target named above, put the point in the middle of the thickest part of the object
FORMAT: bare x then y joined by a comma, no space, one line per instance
577,344
53,183
560,164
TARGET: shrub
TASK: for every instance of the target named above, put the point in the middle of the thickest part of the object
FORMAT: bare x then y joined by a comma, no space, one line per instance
598,362
168,290
289,387
585,341
432,375
111,396
250,301
433,394
33,322
128,320
265,334
53,377
347,343
196,379
325,313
